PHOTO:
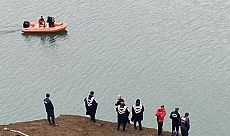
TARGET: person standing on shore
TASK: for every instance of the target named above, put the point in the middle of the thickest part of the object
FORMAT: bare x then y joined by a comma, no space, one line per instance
91,106
122,115
137,114
119,100
185,125
175,117
160,113
49,109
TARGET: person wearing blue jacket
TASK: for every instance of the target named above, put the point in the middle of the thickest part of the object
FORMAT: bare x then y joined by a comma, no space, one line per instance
49,109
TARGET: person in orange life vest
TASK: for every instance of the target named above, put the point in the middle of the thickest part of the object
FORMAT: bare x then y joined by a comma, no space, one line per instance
160,113
41,22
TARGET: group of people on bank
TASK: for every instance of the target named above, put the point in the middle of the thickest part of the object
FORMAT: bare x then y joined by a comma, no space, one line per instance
177,121
123,114
50,21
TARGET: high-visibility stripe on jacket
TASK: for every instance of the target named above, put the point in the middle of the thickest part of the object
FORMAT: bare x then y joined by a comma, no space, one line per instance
137,109
89,101
121,110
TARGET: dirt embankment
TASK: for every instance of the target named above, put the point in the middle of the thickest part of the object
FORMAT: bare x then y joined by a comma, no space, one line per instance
73,125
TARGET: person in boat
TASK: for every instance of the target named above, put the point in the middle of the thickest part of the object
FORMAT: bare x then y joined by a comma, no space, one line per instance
122,115
137,114
41,22
49,109
91,106
50,21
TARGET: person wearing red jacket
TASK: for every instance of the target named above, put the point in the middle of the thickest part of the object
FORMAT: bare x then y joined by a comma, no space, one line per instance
160,113
41,22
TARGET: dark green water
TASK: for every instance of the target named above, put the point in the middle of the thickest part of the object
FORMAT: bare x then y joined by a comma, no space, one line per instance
175,53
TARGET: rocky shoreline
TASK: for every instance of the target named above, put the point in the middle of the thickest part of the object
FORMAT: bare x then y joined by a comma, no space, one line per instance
73,125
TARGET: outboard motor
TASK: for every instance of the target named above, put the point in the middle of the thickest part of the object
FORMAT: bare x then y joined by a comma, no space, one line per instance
26,24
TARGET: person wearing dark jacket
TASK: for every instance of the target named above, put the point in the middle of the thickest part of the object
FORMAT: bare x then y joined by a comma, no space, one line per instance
175,117
50,21
119,100
122,115
49,109
137,114
185,125
91,106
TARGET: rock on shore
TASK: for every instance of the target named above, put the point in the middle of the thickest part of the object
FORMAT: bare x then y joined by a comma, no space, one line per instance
73,125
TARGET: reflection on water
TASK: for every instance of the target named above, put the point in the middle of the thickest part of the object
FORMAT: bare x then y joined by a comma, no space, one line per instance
45,38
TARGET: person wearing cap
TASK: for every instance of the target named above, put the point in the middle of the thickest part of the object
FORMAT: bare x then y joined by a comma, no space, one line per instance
49,109
137,114
91,106
119,100
122,115
185,125
175,117
160,113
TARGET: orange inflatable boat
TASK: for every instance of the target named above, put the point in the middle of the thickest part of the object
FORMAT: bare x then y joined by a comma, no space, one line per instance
32,27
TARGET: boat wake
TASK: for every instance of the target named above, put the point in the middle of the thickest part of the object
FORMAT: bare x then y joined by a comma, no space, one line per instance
8,30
